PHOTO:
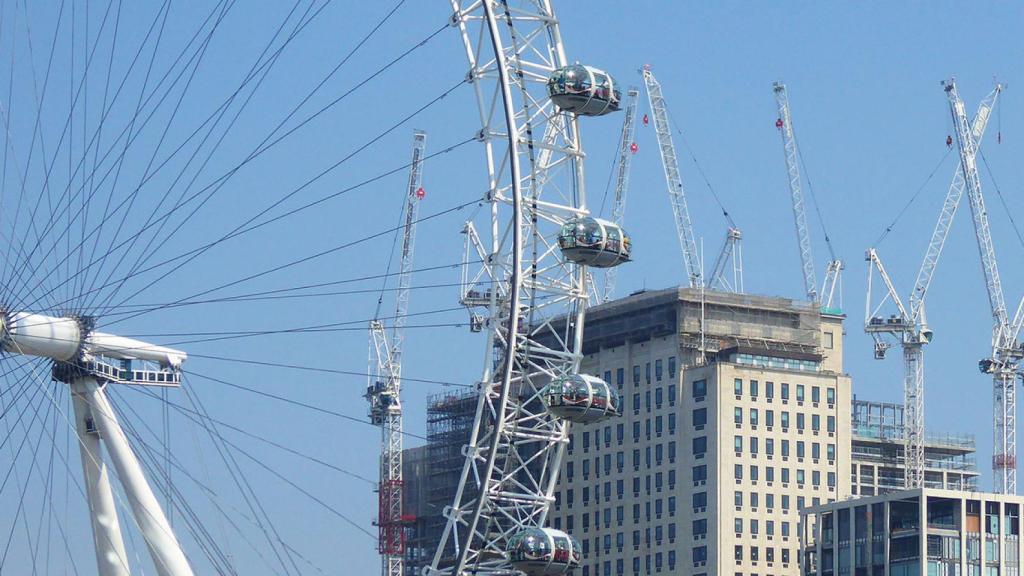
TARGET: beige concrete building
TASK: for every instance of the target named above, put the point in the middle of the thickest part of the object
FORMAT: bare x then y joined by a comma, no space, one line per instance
736,414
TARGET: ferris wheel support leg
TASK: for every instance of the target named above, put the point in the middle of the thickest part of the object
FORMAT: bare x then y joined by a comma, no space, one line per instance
111,558
149,516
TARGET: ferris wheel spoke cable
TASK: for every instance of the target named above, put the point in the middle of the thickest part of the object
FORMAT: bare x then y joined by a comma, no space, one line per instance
210,494
269,141
405,378
127,74
312,407
131,136
145,227
304,259
118,163
38,111
46,187
251,223
191,254
194,417
151,455
22,490
241,482
200,54
206,421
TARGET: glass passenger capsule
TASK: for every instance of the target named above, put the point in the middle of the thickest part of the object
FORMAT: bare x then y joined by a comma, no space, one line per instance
584,90
544,552
581,398
594,242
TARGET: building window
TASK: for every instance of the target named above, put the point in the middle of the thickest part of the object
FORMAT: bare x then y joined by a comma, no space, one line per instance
831,479
647,373
799,392
753,388
620,377
700,499
671,394
800,452
769,390
815,422
636,375
753,416
829,340
671,423
785,448
830,451
769,418
657,369
753,445
737,444
830,395
753,527
659,396
700,388
800,420
815,450
700,446
737,499
700,473
737,526
700,554
753,473
700,527
785,419
636,431
738,471
737,415
700,417
608,376
785,475
784,391
671,366
800,476
737,552
636,402
769,446
671,453
831,424
737,387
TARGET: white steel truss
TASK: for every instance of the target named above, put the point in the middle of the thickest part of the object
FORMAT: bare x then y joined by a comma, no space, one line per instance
385,386
627,147
729,263
535,299
909,326
676,194
1006,352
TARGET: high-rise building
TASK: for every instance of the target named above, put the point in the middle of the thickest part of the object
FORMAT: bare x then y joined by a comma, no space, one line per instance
877,452
736,414
914,532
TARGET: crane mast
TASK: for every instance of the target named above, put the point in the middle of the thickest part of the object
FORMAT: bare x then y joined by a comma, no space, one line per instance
627,147
909,327
1004,362
384,389
676,194
803,233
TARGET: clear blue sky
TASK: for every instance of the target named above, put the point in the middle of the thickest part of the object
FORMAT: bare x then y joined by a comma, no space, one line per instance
871,119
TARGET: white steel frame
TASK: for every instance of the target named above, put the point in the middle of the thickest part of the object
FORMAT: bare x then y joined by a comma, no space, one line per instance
1006,352
911,328
385,387
537,300
626,143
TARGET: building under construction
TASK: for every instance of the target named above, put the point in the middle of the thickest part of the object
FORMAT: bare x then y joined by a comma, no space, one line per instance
432,473
878,461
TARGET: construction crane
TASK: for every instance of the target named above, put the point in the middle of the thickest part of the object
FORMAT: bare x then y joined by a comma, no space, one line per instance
834,268
909,325
730,259
384,389
627,147
1004,363
676,194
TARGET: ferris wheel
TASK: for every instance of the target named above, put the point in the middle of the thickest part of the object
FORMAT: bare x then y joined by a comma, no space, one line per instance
538,241
172,189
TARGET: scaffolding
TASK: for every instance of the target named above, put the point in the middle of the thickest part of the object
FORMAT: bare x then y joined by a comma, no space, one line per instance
435,469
